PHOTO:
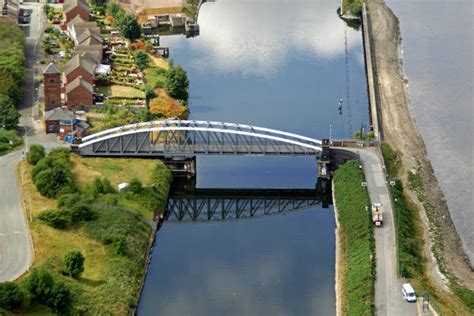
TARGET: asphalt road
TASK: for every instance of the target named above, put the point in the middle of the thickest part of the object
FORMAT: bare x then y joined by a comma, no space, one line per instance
16,251
388,295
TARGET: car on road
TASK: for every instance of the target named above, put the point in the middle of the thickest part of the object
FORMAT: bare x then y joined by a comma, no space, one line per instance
408,292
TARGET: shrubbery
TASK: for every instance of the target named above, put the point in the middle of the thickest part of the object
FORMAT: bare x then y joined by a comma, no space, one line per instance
11,296
177,83
74,263
58,219
8,140
35,154
44,289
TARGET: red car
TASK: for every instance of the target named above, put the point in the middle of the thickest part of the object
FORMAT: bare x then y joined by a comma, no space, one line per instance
56,22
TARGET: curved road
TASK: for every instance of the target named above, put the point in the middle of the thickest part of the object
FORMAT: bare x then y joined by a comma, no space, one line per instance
15,247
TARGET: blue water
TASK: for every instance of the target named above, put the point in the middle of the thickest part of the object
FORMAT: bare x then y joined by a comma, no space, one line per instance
280,65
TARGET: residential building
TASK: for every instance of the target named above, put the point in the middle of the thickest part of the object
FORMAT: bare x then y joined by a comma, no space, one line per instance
52,87
79,93
73,8
94,51
81,65
10,9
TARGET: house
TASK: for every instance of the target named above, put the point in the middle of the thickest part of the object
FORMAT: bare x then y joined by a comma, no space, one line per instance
89,36
94,51
79,92
65,123
52,87
10,10
59,121
73,8
81,65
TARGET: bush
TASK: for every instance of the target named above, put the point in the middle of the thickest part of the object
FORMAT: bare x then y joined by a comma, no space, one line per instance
141,59
119,245
11,296
74,263
9,116
44,289
392,160
177,83
82,212
35,154
58,219
135,186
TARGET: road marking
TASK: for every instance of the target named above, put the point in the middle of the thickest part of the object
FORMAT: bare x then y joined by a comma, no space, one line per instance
17,232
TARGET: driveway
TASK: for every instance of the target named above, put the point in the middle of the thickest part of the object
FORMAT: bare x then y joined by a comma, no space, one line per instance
388,296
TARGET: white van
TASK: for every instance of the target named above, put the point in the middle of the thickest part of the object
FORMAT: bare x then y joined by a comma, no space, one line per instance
408,292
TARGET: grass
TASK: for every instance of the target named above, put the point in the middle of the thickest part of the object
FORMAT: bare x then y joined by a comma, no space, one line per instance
111,282
356,240
392,159
122,92
9,141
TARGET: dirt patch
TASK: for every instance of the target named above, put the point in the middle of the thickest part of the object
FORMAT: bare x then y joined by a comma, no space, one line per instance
149,7
399,130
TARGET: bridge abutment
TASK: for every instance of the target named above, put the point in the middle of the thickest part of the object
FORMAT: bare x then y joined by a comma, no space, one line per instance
182,168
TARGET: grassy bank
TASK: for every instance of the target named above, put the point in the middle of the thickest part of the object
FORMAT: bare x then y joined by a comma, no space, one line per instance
356,241
410,242
114,240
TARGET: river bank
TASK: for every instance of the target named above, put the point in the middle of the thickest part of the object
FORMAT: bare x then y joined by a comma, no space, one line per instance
355,246
399,130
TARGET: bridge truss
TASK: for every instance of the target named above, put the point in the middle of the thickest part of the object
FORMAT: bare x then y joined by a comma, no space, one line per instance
206,205
184,138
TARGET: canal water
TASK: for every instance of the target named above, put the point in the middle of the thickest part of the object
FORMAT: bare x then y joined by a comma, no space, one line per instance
278,64
439,65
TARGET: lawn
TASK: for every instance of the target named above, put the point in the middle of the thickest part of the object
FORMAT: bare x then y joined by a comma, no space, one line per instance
111,282
124,92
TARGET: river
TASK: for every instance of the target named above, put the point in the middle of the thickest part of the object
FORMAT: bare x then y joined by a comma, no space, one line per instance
438,63
275,64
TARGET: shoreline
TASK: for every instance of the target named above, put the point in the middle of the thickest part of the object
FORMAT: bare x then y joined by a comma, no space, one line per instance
400,131
338,274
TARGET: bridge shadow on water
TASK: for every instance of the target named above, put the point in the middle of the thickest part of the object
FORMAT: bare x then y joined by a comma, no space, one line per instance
187,204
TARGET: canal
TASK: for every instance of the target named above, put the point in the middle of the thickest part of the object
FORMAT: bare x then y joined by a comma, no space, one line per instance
276,64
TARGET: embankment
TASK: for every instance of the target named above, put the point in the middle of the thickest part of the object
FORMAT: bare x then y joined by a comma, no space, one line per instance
399,130
355,264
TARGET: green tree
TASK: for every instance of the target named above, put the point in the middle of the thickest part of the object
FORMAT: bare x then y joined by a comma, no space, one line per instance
74,263
60,298
113,8
9,116
39,283
54,181
135,186
9,86
177,83
141,59
129,27
11,296
35,154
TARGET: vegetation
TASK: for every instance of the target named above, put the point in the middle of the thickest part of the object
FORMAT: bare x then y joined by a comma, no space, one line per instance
356,240
353,7
9,140
44,289
110,229
392,159
35,154
74,263
177,83
52,175
11,296
127,23
9,116
141,59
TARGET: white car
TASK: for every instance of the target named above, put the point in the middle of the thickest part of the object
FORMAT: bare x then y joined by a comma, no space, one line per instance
408,292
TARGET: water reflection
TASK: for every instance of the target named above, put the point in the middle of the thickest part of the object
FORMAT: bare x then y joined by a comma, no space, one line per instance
258,37
223,205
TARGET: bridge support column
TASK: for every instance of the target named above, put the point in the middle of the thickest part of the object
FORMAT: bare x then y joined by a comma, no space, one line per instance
185,167
324,160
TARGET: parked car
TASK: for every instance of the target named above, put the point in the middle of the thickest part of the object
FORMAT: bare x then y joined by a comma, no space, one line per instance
408,292
56,21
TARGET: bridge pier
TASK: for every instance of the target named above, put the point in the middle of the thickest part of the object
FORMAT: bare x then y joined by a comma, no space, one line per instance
324,161
182,168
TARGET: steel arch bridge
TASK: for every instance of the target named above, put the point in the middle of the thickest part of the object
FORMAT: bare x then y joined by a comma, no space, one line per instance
210,205
184,139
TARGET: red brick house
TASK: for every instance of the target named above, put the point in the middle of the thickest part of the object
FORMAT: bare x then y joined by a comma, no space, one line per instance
81,65
73,8
52,87
79,92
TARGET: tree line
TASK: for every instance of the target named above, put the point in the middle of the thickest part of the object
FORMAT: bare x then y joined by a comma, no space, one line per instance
12,57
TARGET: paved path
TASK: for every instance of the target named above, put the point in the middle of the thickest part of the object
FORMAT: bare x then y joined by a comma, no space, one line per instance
388,297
